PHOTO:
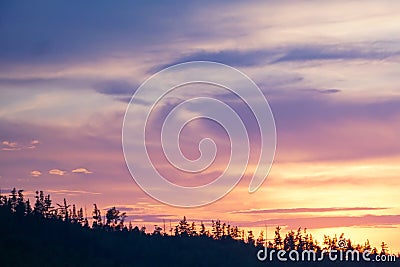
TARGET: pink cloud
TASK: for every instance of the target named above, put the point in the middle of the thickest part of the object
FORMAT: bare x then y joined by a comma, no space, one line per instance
36,173
304,210
16,146
81,170
332,221
57,172
10,146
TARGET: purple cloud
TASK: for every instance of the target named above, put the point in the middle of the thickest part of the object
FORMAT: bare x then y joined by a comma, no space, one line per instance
332,221
304,210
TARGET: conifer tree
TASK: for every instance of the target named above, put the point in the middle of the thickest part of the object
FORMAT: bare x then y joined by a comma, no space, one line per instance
250,237
183,227
260,239
64,211
20,207
97,222
278,239
12,200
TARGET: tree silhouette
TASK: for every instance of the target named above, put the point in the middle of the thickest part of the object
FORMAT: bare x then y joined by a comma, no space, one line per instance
20,207
62,237
203,231
260,240
216,229
157,230
97,221
12,200
278,239
115,218
183,228
63,208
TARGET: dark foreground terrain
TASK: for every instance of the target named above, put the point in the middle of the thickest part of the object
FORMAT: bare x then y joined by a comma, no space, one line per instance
41,236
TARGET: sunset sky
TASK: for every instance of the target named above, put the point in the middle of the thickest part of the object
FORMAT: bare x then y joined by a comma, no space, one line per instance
330,71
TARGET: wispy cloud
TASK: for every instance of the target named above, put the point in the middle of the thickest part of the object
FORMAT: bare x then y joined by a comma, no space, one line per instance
71,192
237,58
150,218
81,170
57,172
304,210
36,173
16,146
333,221
336,52
10,146
324,91
291,53
143,212
116,88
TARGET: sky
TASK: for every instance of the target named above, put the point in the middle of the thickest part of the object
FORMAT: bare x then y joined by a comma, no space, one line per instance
329,70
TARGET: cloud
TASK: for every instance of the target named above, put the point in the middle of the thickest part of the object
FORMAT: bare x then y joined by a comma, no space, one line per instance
81,170
323,127
16,146
290,53
57,172
142,212
116,88
11,82
324,91
133,101
71,192
304,210
237,58
334,221
105,29
98,140
149,217
33,144
36,173
77,170
10,146
336,52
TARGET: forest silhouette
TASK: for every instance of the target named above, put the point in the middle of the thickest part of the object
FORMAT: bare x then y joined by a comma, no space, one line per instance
44,234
